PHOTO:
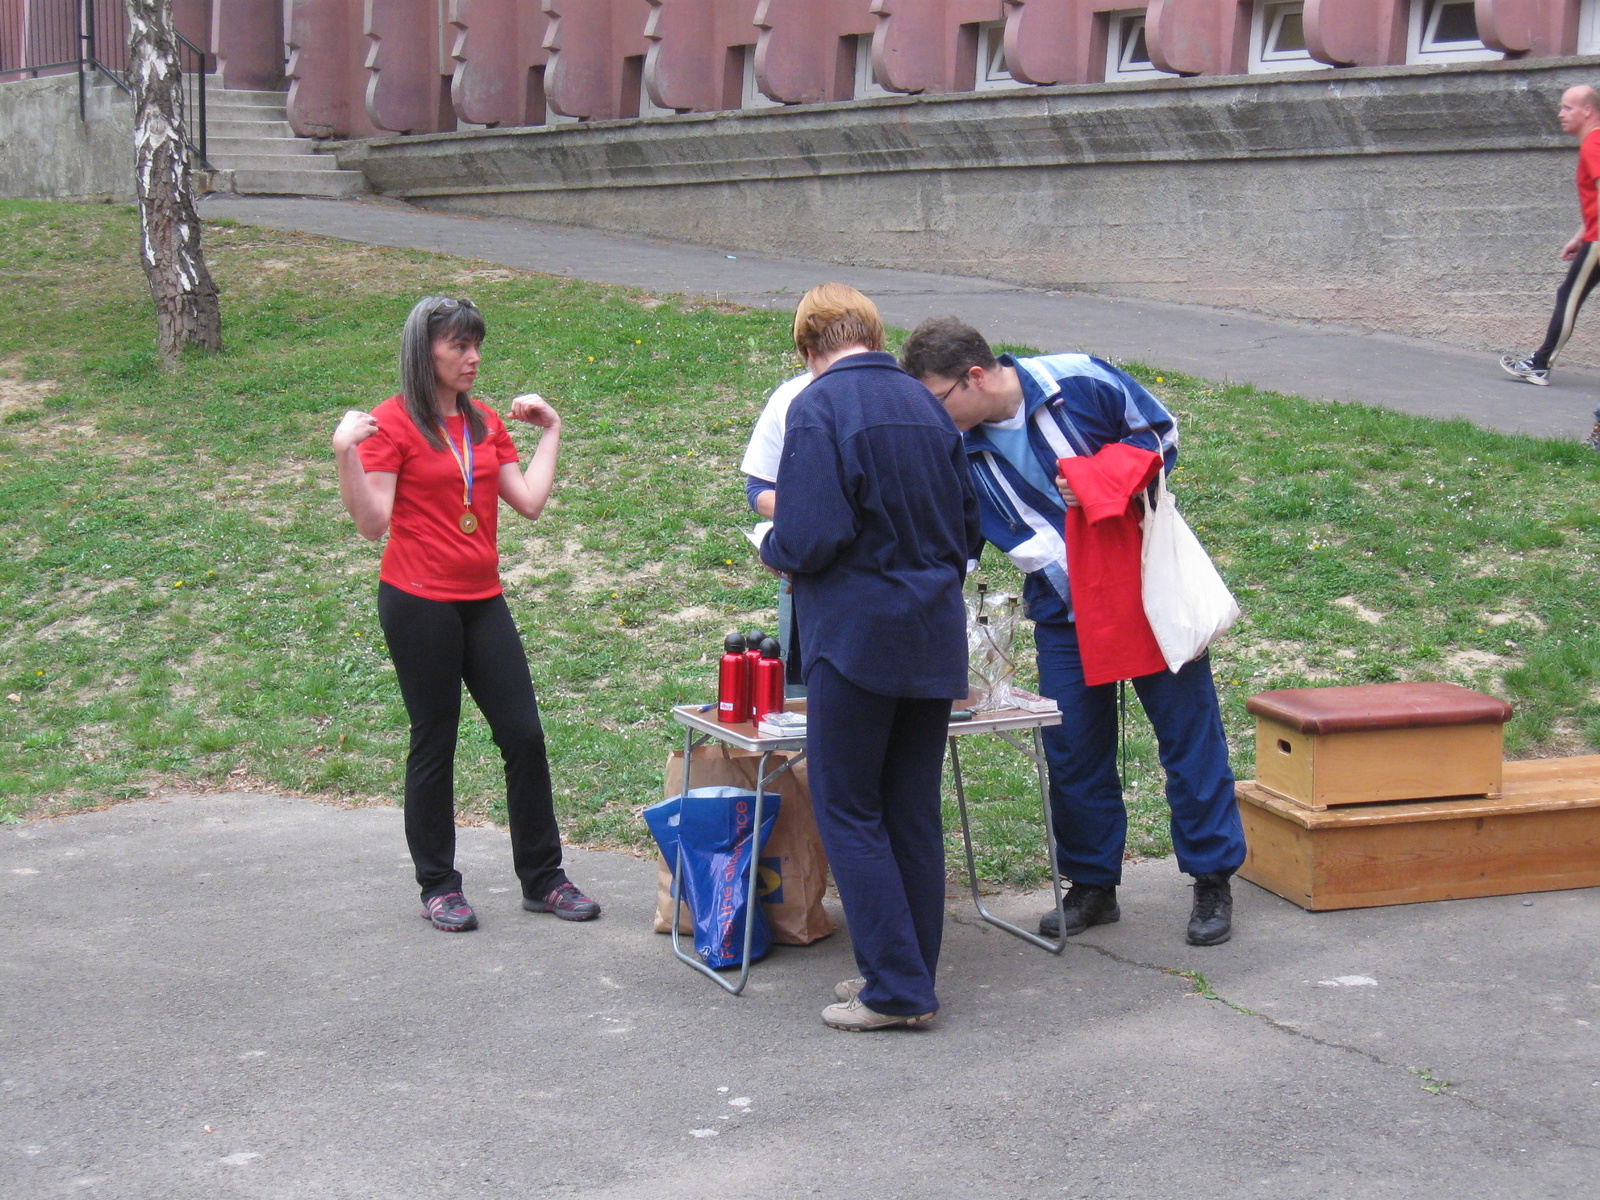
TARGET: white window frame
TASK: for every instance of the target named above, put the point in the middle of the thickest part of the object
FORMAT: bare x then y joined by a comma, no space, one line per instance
1120,31
867,85
647,106
1264,22
750,93
992,74
1589,27
1424,17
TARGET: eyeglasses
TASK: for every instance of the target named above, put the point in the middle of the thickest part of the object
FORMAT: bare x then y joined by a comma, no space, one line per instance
962,382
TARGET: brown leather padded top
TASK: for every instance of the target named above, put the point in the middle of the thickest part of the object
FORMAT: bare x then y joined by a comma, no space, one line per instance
1379,706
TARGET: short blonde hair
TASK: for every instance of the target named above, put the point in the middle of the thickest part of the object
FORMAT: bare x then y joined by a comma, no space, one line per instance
832,315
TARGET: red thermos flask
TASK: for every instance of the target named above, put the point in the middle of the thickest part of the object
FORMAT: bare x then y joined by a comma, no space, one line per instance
752,658
733,682
769,679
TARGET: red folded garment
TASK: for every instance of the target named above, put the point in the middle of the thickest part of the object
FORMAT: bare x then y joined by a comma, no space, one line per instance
1103,563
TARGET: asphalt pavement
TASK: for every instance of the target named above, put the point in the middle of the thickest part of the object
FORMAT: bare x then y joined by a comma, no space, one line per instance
234,996
1318,360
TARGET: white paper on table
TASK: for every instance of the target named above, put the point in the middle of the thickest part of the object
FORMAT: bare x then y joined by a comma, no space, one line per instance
759,534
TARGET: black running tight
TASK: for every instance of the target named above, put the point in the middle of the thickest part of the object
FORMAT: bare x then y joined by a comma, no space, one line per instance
437,646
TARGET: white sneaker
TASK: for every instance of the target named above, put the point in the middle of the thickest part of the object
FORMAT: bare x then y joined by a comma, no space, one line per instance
1523,369
857,1017
848,989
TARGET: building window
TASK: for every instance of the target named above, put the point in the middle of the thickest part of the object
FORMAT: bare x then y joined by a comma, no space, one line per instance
867,85
1446,31
1278,38
1589,27
752,96
992,70
649,108
1127,56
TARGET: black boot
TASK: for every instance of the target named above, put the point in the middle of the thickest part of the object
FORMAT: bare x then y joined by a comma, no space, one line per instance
1211,919
1086,905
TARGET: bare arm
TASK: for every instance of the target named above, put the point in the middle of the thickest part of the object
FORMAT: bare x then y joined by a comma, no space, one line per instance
1570,250
368,495
766,503
526,492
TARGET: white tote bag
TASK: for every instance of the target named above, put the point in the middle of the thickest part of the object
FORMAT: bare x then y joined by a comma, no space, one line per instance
1186,602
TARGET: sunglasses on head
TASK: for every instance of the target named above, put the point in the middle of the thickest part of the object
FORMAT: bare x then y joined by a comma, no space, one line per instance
448,305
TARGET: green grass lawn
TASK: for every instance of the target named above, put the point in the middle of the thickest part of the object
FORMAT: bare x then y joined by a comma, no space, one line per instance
186,602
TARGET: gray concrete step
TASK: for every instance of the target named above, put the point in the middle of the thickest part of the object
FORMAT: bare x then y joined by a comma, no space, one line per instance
254,182
271,117
319,163
244,95
219,104
228,127
260,145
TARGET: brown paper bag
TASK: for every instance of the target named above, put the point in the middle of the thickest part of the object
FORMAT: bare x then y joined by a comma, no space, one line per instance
793,869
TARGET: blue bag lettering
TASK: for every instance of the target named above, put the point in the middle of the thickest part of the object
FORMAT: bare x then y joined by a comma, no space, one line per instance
713,825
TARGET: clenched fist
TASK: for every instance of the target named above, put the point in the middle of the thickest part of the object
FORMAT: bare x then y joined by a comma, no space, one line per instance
535,410
354,428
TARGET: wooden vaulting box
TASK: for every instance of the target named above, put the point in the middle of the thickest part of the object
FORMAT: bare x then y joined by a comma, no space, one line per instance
1322,747
1543,834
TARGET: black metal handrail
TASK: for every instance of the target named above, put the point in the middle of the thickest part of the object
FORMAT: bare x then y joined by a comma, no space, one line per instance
91,38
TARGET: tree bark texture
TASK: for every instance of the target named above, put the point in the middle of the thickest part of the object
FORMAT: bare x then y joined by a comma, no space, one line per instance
187,310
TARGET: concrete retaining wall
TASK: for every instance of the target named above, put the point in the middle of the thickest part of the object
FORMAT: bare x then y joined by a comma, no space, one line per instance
48,153
1429,201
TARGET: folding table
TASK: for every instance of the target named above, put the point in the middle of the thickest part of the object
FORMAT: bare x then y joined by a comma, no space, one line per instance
701,726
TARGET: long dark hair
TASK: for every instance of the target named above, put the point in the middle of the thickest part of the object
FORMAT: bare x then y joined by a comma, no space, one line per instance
436,317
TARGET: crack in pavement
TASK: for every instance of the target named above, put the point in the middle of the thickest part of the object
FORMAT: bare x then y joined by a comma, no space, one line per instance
1204,990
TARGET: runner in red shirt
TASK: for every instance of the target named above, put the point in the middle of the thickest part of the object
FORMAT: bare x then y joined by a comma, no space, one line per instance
430,467
1579,115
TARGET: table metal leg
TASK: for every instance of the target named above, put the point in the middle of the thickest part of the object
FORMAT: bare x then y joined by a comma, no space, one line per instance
1037,755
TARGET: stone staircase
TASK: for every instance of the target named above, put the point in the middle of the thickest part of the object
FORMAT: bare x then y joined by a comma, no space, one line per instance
254,151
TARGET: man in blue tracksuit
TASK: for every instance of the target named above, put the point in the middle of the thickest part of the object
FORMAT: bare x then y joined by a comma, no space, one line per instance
1020,416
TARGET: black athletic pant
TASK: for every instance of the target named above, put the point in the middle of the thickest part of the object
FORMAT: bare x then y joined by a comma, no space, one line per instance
1574,290
437,646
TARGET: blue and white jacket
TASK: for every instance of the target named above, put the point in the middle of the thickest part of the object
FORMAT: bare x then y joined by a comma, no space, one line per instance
1075,405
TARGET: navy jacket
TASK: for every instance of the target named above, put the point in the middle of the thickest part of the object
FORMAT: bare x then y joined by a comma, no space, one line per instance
876,521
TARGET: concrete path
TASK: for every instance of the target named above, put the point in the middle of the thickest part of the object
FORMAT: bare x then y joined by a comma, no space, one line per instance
1313,359
233,996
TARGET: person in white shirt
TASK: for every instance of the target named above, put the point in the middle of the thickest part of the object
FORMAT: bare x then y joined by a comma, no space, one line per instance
760,467
761,456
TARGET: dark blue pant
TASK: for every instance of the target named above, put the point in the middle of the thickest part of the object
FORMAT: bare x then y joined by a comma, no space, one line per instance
874,763
1085,790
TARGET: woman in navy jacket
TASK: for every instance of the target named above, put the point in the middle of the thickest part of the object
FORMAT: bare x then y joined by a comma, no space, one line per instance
876,522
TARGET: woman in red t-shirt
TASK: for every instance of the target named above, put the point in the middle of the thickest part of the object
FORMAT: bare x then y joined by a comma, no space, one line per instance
429,467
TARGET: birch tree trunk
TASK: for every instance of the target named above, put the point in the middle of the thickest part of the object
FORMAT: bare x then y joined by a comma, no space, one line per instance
187,309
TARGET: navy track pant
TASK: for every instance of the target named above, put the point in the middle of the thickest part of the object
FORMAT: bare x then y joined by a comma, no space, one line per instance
874,763
1085,790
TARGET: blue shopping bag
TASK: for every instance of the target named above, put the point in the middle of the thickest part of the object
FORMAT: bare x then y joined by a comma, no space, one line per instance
714,827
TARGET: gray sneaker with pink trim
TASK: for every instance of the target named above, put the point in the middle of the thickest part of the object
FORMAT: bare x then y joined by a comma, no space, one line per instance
449,912
566,901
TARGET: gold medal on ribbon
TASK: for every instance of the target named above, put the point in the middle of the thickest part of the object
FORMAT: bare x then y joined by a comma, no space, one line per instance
464,460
